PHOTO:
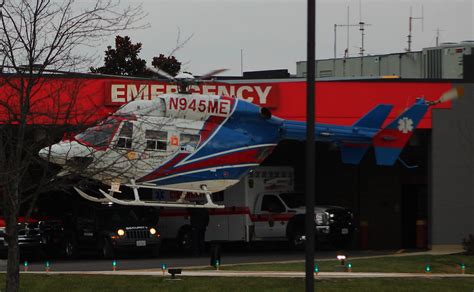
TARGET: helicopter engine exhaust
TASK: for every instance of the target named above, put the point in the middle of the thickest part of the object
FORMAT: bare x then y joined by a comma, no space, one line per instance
265,113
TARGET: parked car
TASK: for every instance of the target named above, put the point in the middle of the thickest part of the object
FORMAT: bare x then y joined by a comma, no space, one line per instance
36,235
109,229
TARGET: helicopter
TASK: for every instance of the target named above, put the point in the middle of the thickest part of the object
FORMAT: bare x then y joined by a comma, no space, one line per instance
201,144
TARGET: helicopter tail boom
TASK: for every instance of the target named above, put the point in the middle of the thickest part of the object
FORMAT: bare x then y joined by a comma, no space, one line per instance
355,140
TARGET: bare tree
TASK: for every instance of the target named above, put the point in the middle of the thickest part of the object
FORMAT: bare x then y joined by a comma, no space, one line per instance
36,36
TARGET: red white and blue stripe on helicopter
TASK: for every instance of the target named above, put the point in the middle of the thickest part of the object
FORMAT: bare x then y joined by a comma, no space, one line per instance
224,141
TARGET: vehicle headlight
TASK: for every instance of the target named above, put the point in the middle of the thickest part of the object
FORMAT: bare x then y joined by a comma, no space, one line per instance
152,231
121,232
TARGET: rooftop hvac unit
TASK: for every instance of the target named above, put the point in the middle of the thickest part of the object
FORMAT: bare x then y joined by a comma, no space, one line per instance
433,64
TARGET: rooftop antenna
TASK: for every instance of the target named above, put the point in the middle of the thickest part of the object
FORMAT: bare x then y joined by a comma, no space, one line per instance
242,62
437,36
410,21
346,51
360,10
362,26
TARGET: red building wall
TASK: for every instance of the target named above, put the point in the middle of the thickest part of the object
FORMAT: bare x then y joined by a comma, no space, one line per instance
74,100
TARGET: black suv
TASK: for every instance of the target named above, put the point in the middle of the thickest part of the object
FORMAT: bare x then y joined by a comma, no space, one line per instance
36,235
110,228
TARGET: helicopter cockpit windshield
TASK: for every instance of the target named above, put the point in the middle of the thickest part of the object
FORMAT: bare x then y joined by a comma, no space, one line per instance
100,135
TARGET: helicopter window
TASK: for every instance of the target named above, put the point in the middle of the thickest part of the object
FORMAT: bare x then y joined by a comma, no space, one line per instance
189,142
156,140
100,135
125,136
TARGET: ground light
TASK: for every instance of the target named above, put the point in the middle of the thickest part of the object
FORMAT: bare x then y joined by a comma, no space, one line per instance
25,266
217,264
341,258
427,268
463,268
349,267
316,269
47,266
114,265
163,268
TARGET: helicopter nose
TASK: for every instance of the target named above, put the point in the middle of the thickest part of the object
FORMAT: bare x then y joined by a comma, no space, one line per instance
56,153
61,152
44,153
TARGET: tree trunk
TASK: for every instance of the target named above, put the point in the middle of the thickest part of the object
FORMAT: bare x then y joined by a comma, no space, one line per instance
13,260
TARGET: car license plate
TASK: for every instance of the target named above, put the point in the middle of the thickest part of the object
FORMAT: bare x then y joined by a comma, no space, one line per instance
141,243
344,231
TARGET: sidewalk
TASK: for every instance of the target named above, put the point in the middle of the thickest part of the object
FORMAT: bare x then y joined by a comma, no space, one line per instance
213,273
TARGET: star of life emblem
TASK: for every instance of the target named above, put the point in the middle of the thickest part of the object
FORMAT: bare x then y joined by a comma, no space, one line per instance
405,125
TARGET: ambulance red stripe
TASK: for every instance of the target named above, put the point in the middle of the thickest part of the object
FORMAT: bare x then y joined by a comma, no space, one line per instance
231,211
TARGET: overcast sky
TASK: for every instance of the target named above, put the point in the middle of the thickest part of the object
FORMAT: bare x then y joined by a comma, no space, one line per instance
272,34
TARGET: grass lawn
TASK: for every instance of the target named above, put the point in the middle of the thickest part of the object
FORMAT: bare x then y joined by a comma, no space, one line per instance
147,283
402,264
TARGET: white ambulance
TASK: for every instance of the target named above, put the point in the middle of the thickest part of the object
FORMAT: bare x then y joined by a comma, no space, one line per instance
262,206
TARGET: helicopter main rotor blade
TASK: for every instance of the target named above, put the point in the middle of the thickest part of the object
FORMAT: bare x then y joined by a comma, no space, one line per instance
212,73
160,72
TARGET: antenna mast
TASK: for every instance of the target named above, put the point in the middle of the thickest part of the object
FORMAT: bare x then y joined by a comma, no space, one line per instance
346,52
437,35
362,26
410,20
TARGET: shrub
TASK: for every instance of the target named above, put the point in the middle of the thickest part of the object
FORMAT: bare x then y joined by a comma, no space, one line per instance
468,244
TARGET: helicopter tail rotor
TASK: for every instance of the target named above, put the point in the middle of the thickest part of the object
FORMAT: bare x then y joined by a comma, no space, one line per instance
452,94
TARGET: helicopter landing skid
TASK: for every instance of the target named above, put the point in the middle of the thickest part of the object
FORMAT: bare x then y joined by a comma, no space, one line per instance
180,203
91,198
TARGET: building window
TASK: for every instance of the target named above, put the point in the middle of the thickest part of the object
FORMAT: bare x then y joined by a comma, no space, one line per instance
189,142
125,136
156,140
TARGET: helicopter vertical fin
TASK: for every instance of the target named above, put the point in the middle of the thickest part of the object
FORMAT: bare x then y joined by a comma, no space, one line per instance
391,140
375,117
352,153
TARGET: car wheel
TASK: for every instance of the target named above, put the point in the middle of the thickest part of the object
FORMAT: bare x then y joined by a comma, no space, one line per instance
39,253
296,238
70,249
155,252
108,250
